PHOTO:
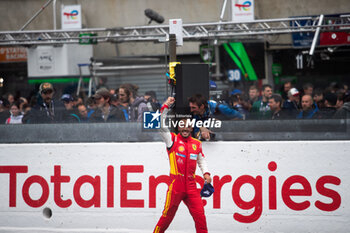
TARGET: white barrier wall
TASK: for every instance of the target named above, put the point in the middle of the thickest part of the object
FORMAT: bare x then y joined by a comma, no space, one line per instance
121,187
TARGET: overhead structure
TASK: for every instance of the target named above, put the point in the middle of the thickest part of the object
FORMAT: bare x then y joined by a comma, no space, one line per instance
160,33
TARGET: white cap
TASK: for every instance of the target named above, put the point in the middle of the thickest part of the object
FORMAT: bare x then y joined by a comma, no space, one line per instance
293,92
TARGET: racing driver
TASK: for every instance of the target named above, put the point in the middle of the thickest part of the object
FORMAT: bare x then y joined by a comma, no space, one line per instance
184,154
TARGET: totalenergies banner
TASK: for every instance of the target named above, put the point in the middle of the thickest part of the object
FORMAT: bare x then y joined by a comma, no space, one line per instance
71,17
121,187
242,10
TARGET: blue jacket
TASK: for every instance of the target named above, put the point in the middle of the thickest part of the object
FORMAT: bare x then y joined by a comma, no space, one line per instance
309,114
218,111
219,108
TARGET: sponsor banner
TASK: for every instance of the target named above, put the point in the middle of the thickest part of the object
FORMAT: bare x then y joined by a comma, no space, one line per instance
175,27
242,10
259,187
13,54
71,17
53,61
45,59
302,39
329,35
334,38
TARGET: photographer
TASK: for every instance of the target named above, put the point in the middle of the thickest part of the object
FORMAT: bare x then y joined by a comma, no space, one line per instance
202,110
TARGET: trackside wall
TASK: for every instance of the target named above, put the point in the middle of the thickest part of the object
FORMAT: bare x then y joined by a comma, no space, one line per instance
290,186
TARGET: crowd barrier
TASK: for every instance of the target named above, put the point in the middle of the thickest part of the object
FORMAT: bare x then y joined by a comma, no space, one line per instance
260,186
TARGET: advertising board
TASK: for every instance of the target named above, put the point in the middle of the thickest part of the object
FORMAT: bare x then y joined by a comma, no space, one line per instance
297,186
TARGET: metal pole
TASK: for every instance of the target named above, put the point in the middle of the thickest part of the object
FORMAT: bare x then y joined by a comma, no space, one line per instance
217,61
317,33
36,14
216,47
223,11
172,48
166,67
172,58
221,18
54,15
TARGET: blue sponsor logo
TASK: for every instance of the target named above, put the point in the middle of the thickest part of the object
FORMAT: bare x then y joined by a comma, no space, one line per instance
151,120
193,156
181,155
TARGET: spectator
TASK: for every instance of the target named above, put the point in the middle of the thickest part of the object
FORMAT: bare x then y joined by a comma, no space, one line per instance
202,110
253,94
330,102
69,115
4,113
344,111
152,103
308,89
16,115
286,87
292,103
22,101
237,103
260,108
133,105
82,113
91,104
340,99
123,101
318,98
25,112
115,100
77,100
106,112
46,109
309,110
275,103
10,98
333,87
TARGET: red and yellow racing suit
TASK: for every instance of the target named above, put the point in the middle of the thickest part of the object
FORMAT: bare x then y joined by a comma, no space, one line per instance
184,155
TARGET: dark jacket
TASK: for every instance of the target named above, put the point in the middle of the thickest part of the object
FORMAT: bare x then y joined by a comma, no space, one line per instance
327,112
343,112
3,116
42,113
70,116
115,115
283,114
292,108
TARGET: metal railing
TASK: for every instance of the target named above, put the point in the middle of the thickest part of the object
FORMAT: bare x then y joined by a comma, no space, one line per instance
191,32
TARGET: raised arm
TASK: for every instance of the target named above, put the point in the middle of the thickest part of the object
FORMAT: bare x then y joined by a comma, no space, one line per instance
164,131
202,164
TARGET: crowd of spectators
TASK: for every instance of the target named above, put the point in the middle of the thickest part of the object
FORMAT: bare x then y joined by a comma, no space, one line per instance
106,105
125,105
289,103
